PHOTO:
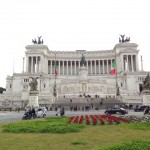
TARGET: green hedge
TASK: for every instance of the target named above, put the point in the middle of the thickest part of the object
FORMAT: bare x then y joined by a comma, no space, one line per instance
132,145
138,125
49,125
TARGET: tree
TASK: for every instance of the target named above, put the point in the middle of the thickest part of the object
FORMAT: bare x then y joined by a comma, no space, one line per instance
1,90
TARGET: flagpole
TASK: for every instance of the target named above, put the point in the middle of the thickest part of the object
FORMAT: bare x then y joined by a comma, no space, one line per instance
55,67
55,93
117,87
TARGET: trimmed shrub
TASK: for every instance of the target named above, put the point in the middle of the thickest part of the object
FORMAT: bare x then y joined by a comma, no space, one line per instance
140,126
48,125
78,142
130,145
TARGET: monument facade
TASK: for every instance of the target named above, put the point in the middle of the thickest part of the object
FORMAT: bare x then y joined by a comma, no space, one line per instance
89,75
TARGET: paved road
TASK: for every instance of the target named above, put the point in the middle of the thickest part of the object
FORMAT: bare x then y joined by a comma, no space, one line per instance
14,116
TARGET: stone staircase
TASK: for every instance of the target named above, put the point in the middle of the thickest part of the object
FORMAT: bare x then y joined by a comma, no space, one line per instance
92,103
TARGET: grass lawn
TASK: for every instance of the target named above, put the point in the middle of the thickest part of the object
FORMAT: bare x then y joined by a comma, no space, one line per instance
89,137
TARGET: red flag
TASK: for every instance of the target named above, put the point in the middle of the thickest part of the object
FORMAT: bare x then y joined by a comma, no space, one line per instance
113,70
56,71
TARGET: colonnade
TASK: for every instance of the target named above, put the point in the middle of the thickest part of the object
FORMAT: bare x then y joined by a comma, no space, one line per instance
130,63
33,64
71,67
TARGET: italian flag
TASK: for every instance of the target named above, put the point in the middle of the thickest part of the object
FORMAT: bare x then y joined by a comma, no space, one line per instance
56,71
113,67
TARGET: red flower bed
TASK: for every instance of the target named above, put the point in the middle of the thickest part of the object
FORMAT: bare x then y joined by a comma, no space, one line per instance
81,119
70,120
96,119
87,120
76,120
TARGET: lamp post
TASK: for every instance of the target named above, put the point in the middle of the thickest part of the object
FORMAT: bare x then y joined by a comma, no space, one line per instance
55,91
117,87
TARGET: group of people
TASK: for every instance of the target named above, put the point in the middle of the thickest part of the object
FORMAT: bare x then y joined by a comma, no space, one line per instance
147,110
30,112
60,111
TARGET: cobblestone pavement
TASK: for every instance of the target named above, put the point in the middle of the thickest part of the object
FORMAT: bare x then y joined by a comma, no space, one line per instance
6,116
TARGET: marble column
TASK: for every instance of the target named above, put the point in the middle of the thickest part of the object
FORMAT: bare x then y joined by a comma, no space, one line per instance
67,67
37,64
79,63
51,67
99,66
132,63
141,64
91,66
123,63
58,67
63,67
71,67
103,67
95,65
111,64
31,64
107,66
127,63
87,65
136,63
75,72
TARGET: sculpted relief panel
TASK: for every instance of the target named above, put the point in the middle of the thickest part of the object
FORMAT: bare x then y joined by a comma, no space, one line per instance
97,88
111,90
69,89
90,88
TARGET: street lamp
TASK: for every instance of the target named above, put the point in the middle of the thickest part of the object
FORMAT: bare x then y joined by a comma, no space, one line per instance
55,74
55,92
118,91
117,87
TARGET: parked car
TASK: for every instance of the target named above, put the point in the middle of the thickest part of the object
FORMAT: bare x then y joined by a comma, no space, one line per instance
140,108
43,108
41,113
111,111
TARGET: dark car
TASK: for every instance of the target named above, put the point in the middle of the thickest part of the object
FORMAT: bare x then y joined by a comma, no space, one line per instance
111,111
140,108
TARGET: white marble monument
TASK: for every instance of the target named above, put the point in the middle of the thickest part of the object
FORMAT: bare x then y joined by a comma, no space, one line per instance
73,78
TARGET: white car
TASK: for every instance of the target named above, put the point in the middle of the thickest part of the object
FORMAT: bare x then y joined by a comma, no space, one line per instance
43,108
40,112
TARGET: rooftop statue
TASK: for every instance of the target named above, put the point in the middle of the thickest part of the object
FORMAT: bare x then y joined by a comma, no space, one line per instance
122,39
83,61
146,83
33,84
37,42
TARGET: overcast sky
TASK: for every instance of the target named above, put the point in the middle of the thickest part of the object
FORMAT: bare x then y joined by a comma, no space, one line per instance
70,25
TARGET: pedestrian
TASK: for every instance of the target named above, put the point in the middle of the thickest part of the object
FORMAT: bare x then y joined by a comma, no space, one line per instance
33,112
146,111
58,111
62,112
18,109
